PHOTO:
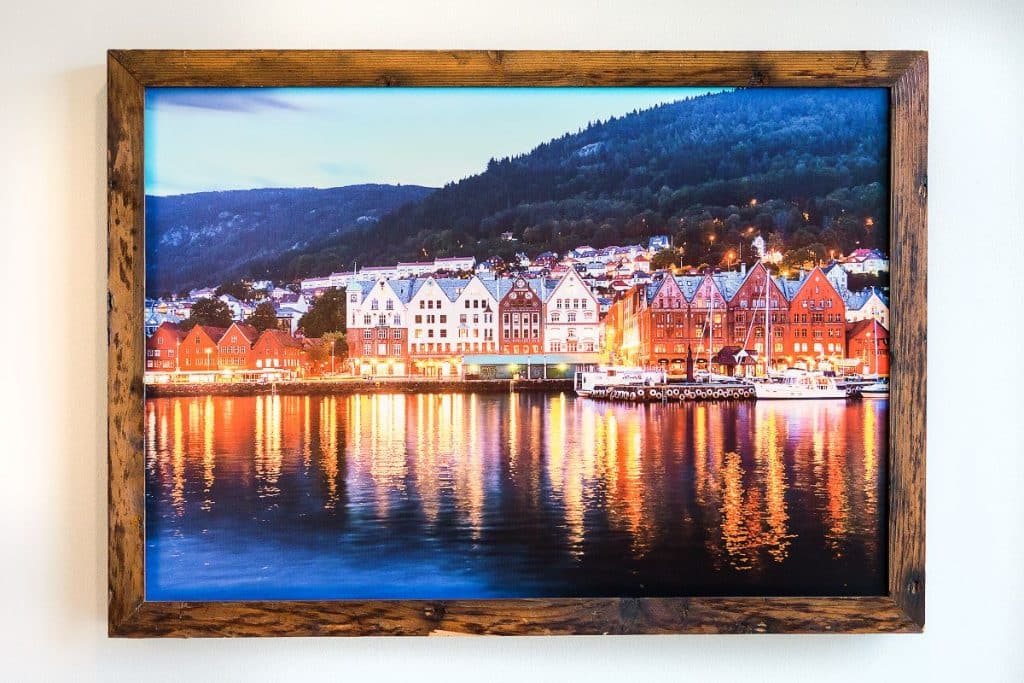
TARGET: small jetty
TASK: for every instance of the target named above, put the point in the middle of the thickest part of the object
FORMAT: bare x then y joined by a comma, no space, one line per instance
662,393
633,385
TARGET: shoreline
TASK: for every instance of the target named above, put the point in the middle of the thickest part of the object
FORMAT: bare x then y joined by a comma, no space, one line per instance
349,387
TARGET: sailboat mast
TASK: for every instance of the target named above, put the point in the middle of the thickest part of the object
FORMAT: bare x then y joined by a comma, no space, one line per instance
874,322
767,322
711,321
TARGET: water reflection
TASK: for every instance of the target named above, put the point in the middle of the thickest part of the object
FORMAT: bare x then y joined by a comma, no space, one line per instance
465,495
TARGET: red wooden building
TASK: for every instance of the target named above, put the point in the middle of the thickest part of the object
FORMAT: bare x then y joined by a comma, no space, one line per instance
162,348
198,349
868,342
235,347
748,322
665,324
817,327
277,349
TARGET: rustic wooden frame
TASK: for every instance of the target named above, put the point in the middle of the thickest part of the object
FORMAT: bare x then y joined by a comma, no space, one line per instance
129,72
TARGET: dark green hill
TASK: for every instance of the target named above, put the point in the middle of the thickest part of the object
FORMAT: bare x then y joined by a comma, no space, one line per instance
815,161
211,237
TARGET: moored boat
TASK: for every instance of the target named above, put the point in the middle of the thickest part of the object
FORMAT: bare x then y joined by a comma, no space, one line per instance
800,384
586,383
879,389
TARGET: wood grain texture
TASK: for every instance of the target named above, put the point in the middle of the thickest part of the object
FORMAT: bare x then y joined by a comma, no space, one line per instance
902,610
908,338
240,68
125,344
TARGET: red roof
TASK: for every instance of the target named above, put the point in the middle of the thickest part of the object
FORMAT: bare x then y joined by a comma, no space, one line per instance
281,337
860,327
173,328
214,333
250,333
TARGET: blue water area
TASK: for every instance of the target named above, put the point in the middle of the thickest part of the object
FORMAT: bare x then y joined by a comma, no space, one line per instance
448,496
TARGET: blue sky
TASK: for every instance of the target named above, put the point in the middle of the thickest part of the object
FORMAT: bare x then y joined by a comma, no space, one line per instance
200,139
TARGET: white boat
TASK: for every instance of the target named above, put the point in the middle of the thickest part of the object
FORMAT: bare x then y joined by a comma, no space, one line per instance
879,389
799,384
586,382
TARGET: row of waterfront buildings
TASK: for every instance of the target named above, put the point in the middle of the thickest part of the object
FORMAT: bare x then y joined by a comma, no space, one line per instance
239,352
734,322
546,316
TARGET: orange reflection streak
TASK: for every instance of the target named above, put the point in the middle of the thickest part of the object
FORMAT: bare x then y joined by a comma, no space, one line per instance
386,447
329,448
151,436
178,461
778,538
564,473
209,429
267,458
430,473
307,435
735,536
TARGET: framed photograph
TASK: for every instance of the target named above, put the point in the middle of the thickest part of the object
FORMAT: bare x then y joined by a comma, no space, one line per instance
415,343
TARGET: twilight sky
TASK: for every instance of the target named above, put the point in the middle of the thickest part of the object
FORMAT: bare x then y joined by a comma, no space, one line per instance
200,139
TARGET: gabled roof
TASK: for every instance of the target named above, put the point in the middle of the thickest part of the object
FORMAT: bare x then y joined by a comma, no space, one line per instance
250,333
688,285
856,300
282,337
862,326
172,328
402,289
214,333
728,283
803,281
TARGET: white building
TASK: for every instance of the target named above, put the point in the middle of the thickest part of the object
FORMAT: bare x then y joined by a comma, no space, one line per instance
414,268
453,263
866,261
433,327
377,334
838,276
311,284
868,304
571,322
758,245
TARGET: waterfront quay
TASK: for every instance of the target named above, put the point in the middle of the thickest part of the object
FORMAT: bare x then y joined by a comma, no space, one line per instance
356,385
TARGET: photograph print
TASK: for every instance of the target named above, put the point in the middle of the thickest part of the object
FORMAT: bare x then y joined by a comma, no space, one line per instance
478,343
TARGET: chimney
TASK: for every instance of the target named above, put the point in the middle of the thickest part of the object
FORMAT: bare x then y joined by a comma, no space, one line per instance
743,268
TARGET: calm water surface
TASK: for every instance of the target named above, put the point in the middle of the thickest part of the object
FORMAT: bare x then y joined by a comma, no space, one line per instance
511,495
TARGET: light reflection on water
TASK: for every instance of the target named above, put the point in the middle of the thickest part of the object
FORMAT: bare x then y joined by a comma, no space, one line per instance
511,495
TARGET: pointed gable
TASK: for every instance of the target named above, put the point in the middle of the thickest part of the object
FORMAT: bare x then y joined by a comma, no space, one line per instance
751,292
708,294
667,294
816,285
242,330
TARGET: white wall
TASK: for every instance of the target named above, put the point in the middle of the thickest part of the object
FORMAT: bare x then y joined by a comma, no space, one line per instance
52,215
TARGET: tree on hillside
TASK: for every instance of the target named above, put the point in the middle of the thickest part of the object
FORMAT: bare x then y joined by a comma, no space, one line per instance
264,317
213,312
327,314
665,258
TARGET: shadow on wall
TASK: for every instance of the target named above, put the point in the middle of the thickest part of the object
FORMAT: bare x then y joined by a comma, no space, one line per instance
78,260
